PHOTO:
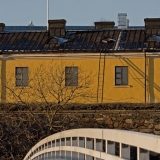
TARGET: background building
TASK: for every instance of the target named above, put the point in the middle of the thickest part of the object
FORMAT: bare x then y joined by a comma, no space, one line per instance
89,64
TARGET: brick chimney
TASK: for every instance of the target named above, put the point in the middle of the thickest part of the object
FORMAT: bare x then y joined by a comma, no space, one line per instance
104,25
2,25
152,23
57,27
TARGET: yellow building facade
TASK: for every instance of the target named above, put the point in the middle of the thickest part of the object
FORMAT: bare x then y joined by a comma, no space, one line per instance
132,91
95,66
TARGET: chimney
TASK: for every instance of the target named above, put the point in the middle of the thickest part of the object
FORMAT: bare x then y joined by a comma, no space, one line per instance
152,23
2,25
57,27
122,20
104,25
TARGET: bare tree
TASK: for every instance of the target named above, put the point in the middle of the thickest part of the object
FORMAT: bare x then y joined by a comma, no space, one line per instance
51,88
34,111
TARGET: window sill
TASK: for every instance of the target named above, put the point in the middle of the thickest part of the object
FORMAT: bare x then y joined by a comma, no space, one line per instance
22,87
71,86
122,86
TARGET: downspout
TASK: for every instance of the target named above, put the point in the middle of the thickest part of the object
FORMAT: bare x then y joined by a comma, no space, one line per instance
3,80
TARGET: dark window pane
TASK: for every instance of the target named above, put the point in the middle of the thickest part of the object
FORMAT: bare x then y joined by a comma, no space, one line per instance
125,70
118,81
25,82
18,82
125,80
118,75
121,75
21,76
71,76
125,76
118,69
18,70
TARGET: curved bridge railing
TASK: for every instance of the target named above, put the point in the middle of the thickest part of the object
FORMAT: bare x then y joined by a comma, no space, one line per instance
96,144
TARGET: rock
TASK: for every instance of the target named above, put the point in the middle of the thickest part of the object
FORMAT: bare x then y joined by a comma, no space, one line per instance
127,114
110,126
113,118
90,116
108,121
141,121
136,121
149,121
146,130
140,124
98,116
120,118
157,132
116,125
100,120
142,127
130,125
129,121
72,124
124,126
92,120
85,119
157,126
134,130
146,124
150,126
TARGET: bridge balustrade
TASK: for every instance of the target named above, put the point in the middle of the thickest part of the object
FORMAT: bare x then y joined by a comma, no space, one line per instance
95,144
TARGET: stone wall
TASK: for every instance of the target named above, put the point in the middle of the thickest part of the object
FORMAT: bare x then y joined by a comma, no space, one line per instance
21,127
140,121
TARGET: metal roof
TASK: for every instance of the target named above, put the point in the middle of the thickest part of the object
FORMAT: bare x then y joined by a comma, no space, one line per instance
79,41
42,28
24,28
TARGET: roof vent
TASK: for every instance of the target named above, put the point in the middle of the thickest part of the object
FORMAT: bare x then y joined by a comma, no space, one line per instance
122,20
2,25
104,25
31,23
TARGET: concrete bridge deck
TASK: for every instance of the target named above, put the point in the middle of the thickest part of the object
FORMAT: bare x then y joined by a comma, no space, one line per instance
96,144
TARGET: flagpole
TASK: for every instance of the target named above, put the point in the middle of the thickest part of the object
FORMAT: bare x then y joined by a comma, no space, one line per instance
47,14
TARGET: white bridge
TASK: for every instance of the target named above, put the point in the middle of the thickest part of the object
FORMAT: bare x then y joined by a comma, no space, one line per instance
96,144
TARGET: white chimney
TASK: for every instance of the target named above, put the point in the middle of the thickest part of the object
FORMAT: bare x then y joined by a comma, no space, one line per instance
122,20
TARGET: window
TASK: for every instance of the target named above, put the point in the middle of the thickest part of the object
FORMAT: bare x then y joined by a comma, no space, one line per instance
121,76
71,76
21,76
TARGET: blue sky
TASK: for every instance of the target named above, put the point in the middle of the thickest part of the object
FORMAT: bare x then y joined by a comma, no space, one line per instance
77,12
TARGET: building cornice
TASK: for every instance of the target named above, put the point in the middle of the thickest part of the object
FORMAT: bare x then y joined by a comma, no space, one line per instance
78,55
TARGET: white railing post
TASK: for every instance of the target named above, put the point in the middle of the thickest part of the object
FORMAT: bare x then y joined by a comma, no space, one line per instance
120,150
106,145
95,144
138,154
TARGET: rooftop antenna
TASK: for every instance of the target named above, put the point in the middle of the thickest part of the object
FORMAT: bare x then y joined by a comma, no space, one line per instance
47,14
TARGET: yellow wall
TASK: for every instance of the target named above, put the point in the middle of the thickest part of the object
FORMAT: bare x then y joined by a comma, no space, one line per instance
153,80
85,65
133,92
